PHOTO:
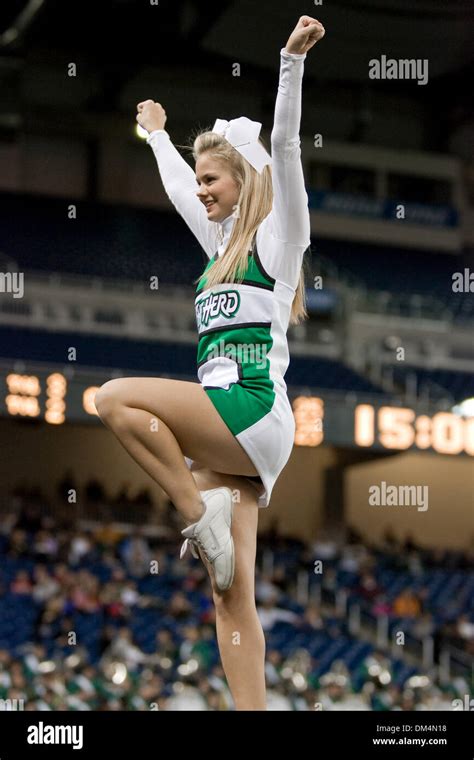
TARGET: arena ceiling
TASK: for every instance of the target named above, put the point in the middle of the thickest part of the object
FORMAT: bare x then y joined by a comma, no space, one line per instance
120,39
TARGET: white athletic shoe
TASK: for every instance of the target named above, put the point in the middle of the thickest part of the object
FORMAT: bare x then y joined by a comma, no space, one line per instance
212,534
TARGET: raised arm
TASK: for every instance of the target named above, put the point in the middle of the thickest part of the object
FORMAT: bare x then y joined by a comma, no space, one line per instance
177,176
289,220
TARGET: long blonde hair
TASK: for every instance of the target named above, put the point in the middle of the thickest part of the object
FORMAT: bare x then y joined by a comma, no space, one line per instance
254,204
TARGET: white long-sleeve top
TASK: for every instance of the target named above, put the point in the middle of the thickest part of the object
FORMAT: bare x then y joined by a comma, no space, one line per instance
282,237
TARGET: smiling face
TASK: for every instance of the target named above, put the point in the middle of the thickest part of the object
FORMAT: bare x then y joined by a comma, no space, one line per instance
217,189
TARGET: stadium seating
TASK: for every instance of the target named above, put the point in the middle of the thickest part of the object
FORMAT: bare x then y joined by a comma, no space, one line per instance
438,383
177,359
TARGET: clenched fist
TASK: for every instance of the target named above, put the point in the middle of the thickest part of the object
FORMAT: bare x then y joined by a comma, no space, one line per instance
151,115
307,32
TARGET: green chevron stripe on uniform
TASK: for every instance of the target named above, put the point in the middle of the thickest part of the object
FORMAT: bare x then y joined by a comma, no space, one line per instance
252,274
242,406
248,346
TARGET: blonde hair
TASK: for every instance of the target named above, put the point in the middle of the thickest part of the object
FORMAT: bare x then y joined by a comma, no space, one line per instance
254,204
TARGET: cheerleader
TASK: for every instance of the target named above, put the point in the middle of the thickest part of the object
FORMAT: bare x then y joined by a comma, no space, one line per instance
219,445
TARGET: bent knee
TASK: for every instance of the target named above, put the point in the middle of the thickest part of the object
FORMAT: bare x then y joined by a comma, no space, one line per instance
106,399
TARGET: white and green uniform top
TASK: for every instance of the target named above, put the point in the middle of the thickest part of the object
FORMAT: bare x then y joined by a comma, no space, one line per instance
243,351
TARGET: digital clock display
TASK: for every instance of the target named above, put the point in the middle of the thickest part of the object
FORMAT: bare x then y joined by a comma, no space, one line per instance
400,428
68,396
46,397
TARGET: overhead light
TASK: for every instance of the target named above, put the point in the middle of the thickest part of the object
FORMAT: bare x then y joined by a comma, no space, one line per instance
465,408
141,132
21,23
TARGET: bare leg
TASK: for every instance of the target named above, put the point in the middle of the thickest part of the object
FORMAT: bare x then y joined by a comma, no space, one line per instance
159,421
239,631
158,453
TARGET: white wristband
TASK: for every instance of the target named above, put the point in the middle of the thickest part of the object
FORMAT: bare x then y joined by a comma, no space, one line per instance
155,132
295,56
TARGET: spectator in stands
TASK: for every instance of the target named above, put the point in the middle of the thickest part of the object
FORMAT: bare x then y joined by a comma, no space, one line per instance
16,677
410,545
407,702
390,544
368,588
45,586
21,584
335,694
179,607
166,646
54,593
45,546
63,575
85,593
415,564
270,614
325,548
123,649
49,618
30,519
265,588
34,655
143,498
273,667
277,700
197,645
106,636
381,606
385,698
108,536
80,547
187,698
136,554
406,604
465,633
424,626
148,692
312,619
122,498
352,558
142,506
65,638
329,580
111,603
94,492
18,544
5,663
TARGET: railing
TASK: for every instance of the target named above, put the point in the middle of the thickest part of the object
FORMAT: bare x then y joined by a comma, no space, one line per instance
452,661
410,306
361,298
102,284
324,267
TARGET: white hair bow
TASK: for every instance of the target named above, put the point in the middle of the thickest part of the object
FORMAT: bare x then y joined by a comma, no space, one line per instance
243,134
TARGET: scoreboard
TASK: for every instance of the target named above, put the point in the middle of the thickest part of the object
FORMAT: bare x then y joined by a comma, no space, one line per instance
380,426
58,397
